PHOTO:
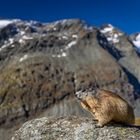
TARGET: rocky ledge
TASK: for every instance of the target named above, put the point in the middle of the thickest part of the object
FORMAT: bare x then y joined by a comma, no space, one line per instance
74,128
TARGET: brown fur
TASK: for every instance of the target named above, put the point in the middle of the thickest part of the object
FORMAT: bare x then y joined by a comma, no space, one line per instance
107,107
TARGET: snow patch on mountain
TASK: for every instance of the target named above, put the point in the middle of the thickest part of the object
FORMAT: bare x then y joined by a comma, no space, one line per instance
22,32
111,33
7,43
63,54
113,38
23,58
72,43
136,42
27,37
64,37
24,38
4,23
107,29
75,36
2,47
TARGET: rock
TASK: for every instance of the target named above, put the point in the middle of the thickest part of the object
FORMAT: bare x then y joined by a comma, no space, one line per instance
74,128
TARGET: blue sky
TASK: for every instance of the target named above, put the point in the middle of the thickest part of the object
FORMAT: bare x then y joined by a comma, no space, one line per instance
125,14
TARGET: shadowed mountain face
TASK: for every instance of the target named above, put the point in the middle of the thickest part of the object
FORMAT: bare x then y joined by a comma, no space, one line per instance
43,65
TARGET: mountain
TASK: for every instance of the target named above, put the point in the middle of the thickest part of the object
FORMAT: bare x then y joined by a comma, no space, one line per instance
42,65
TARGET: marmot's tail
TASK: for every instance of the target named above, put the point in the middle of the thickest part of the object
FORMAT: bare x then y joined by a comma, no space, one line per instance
137,121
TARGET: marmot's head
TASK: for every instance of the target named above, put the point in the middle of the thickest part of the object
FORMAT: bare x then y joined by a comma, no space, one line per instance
81,94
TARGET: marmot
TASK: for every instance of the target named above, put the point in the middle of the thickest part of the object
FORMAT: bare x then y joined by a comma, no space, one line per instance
107,106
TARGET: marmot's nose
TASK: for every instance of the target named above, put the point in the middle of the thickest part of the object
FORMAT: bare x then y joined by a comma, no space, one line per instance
78,94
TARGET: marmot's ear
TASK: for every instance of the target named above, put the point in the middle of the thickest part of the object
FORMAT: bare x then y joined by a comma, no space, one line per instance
95,87
93,91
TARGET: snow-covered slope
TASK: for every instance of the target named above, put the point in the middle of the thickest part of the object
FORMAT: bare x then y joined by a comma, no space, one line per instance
4,23
20,32
17,33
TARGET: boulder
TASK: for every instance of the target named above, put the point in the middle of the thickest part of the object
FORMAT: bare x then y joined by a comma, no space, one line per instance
74,128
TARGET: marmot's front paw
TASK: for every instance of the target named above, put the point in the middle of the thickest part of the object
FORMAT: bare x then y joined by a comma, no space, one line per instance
98,126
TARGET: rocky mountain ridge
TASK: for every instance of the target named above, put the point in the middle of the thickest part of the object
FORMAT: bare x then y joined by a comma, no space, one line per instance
43,65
